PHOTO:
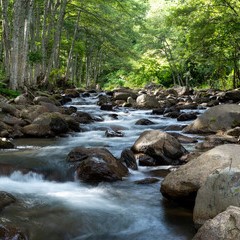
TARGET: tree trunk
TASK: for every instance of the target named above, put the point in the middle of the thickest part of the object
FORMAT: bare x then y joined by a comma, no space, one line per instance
72,45
6,36
54,58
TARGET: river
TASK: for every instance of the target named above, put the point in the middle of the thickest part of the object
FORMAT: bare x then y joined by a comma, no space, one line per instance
73,210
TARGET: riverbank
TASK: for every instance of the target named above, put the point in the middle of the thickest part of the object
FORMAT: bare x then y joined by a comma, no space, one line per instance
43,165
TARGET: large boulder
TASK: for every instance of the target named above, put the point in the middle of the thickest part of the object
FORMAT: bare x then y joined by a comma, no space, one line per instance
182,185
161,146
31,112
46,125
96,165
225,226
221,189
221,117
147,102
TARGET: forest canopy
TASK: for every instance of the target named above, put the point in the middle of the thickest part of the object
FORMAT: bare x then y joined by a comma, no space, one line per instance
115,43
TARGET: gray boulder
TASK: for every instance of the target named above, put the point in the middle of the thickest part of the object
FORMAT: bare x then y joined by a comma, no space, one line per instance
161,146
46,125
221,189
225,226
147,102
182,185
221,117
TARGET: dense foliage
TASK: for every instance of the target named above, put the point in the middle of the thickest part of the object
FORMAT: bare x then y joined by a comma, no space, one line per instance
59,43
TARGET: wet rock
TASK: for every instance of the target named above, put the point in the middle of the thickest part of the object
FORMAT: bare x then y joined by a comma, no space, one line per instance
146,160
83,117
160,173
6,144
171,109
9,108
224,226
21,99
39,99
182,185
103,100
233,95
111,133
144,121
37,130
130,102
182,138
64,100
106,107
127,156
213,103
175,128
187,116
46,125
147,102
72,93
11,233
147,181
185,90
11,120
32,112
97,165
85,95
124,95
215,140
159,145
72,123
221,117
6,199
174,114
189,106
113,116
159,111
220,190
70,110
235,132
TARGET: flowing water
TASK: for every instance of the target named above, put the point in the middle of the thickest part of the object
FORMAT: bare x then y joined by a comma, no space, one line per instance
64,209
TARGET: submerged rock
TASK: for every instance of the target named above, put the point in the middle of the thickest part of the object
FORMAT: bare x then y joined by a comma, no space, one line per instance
144,121
112,133
147,181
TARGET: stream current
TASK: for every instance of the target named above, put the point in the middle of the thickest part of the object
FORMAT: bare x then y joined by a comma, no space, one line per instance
73,210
